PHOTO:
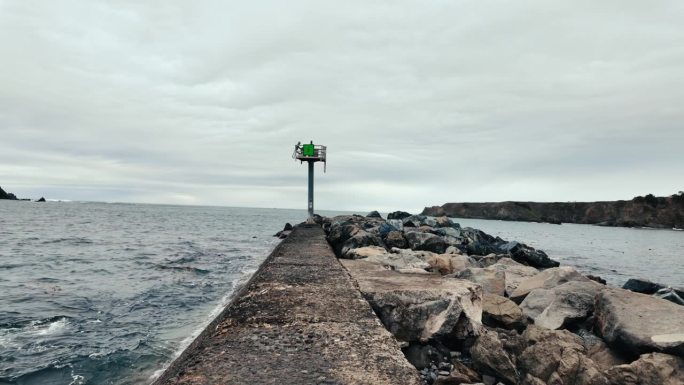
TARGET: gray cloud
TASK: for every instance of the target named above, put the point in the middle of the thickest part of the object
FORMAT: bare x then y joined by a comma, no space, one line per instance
420,103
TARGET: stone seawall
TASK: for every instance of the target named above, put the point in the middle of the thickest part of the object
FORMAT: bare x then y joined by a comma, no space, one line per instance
300,320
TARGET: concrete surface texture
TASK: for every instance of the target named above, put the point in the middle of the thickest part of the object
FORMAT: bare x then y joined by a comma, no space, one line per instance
300,320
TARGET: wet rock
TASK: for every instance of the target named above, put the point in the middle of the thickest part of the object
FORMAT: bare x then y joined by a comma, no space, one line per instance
557,357
395,261
547,279
425,241
493,281
649,369
515,273
501,312
419,307
639,323
528,255
596,278
373,214
669,294
489,357
398,215
642,286
395,239
561,306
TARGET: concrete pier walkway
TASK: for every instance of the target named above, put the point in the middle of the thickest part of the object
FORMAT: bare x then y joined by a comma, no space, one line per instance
300,320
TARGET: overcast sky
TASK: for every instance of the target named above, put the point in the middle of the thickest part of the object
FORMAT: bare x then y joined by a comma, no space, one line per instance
419,102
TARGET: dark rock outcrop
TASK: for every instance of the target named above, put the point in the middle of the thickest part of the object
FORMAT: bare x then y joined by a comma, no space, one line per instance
528,255
6,195
42,199
398,215
645,286
373,214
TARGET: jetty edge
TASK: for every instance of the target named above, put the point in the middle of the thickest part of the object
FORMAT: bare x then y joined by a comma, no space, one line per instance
300,319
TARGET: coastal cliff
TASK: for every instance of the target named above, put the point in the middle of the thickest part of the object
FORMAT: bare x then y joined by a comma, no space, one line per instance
6,195
648,211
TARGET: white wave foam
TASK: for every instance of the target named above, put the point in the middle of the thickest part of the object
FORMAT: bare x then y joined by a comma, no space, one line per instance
52,328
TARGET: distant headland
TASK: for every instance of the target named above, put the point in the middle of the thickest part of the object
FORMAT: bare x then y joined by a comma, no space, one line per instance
9,196
641,211
6,195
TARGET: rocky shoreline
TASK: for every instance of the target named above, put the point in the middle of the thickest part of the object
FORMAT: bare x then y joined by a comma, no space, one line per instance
470,308
642,211
9,196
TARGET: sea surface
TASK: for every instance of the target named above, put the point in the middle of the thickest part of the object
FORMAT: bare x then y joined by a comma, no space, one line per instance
614,253
97,293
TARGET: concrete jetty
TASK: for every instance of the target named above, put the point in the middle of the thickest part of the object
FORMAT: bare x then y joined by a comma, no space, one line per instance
300,320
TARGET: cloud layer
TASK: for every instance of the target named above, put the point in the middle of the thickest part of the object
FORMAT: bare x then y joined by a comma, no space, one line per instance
419,102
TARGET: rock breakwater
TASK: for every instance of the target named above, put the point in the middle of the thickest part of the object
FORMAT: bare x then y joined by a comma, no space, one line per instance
468,307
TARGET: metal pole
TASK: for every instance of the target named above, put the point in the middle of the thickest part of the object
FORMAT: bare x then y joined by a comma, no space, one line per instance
311,189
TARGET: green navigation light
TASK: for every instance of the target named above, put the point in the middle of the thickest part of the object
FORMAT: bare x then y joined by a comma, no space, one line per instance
308,150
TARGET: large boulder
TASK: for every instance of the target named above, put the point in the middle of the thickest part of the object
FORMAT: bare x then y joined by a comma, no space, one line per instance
398,215
396,261
395,239
419,220
490,357
561,306
602,354
515,273
501,312
419,307
425,241
641,285
556,357
445,221
645,286
639,323
493,281
396,223
350,232
547,279
373,214
448,263
649,369
528,255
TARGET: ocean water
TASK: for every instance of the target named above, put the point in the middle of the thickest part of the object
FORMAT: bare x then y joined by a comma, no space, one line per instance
614,253
95,293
